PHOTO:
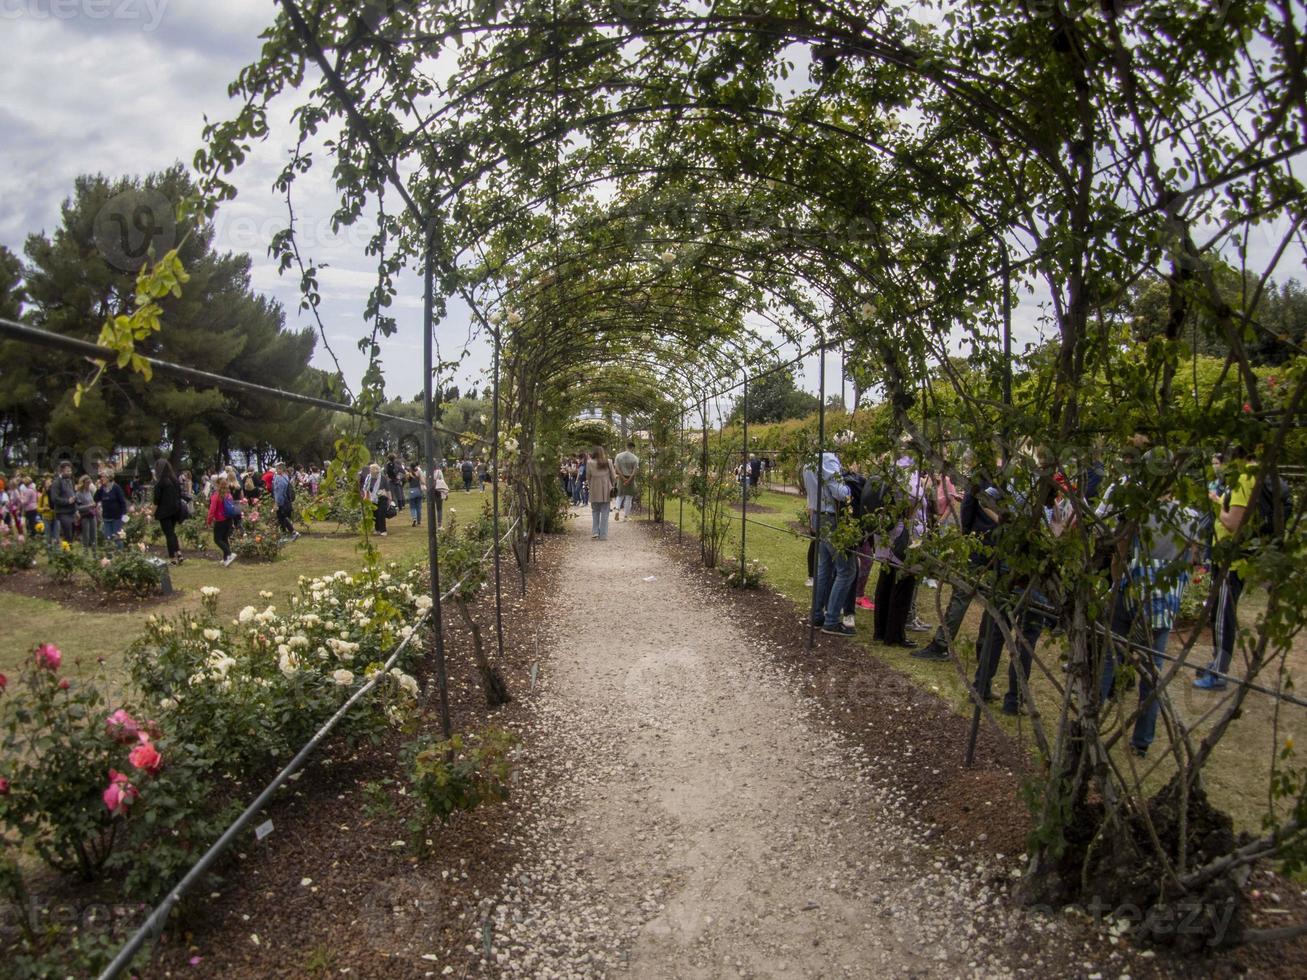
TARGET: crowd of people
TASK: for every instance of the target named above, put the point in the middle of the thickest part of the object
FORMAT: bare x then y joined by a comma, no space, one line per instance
92,511
607,485
1147,576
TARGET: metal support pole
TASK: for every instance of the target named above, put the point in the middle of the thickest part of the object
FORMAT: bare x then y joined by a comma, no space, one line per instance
429,450
494,497
744,478
974,732
821,452
703,503
680,496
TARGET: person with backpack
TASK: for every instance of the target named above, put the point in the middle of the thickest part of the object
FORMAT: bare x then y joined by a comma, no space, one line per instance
1229,510
835,568
223,510
168,507
283,493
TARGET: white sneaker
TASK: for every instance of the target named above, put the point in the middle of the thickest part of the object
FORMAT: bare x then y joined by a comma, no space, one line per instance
917,626
930,583
229,559
849,621
808,583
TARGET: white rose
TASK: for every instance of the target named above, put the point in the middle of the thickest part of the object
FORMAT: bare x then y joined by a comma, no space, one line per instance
245,615
343,677
211,634
210,591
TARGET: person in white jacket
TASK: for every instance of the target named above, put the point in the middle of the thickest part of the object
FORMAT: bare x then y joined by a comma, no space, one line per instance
441,490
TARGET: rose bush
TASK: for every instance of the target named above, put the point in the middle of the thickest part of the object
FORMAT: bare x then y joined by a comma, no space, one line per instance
67,771
17,553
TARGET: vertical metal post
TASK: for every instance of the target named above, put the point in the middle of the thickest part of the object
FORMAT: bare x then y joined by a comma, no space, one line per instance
744,477
680,496
821,452
494,497
429,450
703,503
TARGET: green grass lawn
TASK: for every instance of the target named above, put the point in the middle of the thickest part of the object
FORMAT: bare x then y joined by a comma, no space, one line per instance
1237,776
86,636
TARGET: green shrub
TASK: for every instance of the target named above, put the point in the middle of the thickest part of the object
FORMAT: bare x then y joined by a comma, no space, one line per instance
750,577
65,562
63,755
448,776
130,570
17,554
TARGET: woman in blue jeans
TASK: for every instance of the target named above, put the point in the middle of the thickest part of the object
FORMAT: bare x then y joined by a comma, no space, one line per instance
602,483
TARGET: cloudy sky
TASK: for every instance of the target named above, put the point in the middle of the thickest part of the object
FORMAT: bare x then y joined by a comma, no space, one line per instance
122,87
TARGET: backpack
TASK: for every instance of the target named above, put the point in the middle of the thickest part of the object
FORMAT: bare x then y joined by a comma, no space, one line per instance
1273,487
877,494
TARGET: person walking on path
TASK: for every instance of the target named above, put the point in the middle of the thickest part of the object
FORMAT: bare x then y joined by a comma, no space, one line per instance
113,507
627,464
578,485
283,493
835,568
602,485
467,470
223,509
168,507
415,488
63,502
377,489
441,491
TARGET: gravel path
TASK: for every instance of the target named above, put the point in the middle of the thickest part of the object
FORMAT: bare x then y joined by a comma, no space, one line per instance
692,821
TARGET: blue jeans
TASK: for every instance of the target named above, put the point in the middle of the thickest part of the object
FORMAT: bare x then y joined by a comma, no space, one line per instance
1124,614
599,519
835,574
110,528
415,508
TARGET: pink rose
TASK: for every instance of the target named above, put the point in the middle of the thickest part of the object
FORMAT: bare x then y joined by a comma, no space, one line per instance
119,794
63,683
104,562
146,756
4,786
1247,407
48,656
122,727
4,682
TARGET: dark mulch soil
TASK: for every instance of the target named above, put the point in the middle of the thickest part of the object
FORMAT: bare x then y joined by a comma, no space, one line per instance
78,594
920,743
371,906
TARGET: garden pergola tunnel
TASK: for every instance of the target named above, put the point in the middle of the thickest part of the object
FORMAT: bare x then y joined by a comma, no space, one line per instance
649,209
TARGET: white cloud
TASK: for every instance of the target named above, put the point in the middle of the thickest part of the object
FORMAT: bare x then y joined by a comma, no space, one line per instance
89,93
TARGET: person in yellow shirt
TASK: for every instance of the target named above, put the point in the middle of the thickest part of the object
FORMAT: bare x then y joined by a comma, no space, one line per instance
1229,510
